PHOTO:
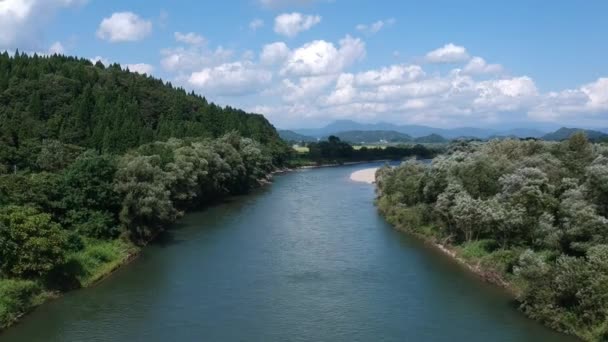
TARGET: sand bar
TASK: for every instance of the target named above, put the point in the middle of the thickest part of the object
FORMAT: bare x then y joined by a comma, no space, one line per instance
365,175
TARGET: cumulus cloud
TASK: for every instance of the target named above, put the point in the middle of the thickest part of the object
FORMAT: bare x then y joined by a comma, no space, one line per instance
256,24
141,68
375,27
394,74
124,27
231,79
449,53
56,48
291,24
597,94
478,65
274,53
103,60
590,101
190,38
321,57
321,80
186,59
22,22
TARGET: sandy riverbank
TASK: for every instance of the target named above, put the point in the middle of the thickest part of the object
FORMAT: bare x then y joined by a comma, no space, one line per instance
365,175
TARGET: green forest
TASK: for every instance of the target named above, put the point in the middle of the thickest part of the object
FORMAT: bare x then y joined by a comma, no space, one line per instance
335,151
95,161
529,215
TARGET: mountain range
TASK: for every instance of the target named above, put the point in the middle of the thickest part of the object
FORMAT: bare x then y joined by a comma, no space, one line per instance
416,131
356,132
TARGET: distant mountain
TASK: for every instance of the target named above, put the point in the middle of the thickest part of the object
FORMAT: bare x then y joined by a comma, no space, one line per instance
417,131
362,137
565,133
292,136
432,138
523,133
345,126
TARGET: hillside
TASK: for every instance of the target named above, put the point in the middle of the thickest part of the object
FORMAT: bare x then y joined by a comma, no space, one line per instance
107,109
96,161
432,138
565,133
368,137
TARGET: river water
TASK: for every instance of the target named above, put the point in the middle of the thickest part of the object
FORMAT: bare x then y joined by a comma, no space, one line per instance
305,259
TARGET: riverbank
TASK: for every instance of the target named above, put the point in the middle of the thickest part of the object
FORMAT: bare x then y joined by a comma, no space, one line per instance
336,255
491,267
99,260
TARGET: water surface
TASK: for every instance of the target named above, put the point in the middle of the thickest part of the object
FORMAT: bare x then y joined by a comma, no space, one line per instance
305,259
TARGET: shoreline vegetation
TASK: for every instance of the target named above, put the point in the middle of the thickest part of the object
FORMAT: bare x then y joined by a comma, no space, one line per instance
127,252
96,160
529,216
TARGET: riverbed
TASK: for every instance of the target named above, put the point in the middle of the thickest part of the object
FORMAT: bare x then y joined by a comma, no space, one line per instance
307,258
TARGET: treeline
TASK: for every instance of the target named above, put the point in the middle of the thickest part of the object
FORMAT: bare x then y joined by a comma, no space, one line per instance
108,109
334,150
528,213
62,227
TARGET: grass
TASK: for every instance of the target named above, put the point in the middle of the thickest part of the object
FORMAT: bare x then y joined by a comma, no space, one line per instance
100,258
16,298
301,149
97,260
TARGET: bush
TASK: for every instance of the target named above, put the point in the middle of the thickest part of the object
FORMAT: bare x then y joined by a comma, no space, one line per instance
16,298
476,250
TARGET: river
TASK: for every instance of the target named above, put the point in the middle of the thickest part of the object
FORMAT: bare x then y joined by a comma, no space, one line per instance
307,258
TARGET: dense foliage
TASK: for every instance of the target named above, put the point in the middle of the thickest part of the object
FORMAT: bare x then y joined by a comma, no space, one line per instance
95,161
57,228
107,109
529,213
334,150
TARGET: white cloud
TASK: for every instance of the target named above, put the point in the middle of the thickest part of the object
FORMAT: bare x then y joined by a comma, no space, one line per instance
23,22
506,94
478,65
588,102
124,27
256,24
320,57
597,92
291,24
306,89
449,53
180,59
390,75
320,81
141,68
103,60
375,27
274,53
189,38
56,48
231,79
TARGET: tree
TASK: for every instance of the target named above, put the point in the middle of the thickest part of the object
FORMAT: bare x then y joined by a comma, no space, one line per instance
146,201
31,244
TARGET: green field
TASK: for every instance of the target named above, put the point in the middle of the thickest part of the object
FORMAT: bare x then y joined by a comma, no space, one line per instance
301,149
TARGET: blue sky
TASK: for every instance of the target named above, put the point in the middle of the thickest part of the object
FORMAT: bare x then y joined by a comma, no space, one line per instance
306,62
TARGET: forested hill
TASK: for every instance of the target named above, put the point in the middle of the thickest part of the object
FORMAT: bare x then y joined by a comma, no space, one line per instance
108,109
